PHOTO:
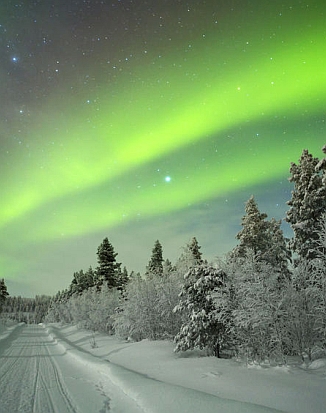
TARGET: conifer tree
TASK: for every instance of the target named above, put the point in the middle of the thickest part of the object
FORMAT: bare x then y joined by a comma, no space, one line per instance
3,292
89,276
203,326
168,268
254,228
123,279
194,249
190,257
81,281
307,204
108,270
155,265
263,238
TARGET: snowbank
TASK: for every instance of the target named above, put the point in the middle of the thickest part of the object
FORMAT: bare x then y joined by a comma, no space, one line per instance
7,329
150,373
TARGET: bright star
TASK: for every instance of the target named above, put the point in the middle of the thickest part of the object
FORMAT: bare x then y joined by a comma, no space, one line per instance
167,179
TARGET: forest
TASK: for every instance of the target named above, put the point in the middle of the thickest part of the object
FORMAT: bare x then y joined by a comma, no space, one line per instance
264,301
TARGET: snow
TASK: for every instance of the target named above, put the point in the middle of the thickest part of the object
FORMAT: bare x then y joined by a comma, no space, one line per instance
63,369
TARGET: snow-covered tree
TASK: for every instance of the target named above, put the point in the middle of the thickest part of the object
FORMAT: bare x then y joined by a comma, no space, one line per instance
82,281
95,310
190,257
140,315
168,267
278,255
155,265
258,310
253,233
202,327
305,304
316,283
108,271
307,204
264,238
3,292
147,311
123,279
59,309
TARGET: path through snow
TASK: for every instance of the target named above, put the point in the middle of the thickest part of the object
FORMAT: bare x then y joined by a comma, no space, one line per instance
37,376
54,370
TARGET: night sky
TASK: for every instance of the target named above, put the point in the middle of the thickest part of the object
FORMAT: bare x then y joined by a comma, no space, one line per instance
143,120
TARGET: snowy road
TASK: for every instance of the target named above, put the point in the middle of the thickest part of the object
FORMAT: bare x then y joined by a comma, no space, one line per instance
45,373
36,376
30,378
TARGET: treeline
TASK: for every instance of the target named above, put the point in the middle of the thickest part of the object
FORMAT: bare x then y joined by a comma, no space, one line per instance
27,310
265,300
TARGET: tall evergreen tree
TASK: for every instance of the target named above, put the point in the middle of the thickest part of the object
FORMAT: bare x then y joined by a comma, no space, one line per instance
262,237
155,265
123,279
203,325
194,249
108,271
307,204
168,268
254,228
3,292
190,257
82,281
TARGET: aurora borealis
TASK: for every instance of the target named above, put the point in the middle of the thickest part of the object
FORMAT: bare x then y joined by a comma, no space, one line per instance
145,120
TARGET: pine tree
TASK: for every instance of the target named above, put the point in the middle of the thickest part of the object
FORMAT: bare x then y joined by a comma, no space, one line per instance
278,255
190,257
203,326
3,292
81,281
155,265
307,204
254,228
194,249
89,276
168,268
262,237
123,279
108,271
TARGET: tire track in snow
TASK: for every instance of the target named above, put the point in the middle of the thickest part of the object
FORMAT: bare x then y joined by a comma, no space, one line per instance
38,376
30,379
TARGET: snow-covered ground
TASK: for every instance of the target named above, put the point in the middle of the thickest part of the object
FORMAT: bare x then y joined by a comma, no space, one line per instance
55,368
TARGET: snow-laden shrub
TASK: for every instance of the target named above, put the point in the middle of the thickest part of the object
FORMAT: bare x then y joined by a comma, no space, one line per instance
259,318
147,311
95,310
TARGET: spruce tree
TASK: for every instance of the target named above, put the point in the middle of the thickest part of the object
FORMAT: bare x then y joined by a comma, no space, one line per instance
262,237
89,276
203,325
81,281
190,257
3,292
108,271
307,204
194,249
155,265
168,268
254,228
123,279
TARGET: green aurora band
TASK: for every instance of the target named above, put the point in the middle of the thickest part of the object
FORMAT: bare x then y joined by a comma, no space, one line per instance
84,154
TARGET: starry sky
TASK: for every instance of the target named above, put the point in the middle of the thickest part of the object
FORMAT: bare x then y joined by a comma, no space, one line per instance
143,120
